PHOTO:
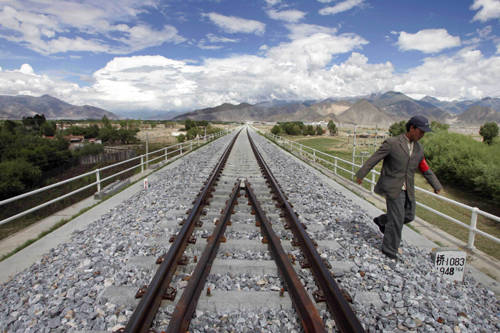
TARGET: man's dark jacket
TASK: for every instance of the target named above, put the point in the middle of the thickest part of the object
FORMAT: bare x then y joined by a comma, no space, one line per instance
397,168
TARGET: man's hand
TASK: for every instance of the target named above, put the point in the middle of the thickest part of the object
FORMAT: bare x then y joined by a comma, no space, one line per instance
359,181
437,191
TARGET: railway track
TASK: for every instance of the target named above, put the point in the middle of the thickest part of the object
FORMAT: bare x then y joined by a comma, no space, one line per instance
241,209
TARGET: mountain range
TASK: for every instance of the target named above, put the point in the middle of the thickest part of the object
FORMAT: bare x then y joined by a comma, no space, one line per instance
17,107
382,109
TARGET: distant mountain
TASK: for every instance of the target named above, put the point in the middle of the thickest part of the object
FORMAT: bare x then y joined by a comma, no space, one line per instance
149,114
455,107
393,97
400,106
17,107
241,112
489,102
478,115
364,112
331,106
307,115
165,115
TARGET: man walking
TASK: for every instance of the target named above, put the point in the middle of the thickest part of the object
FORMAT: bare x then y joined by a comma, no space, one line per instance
402,156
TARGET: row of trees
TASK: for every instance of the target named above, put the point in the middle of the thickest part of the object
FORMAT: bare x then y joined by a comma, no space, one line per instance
194,128
296,128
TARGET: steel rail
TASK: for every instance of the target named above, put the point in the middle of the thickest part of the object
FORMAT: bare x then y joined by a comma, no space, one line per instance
344,316
186,306
143,315
311,320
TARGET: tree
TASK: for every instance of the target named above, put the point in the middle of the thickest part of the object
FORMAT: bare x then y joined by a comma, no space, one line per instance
153,124
48,129
435,126
398,128
189,124
276,130
10,126
332,128
15,175
309,130
489,131
181,137
319,130
296,130
106,122
192,133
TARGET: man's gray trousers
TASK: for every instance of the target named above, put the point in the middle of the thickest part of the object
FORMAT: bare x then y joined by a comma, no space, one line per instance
399,211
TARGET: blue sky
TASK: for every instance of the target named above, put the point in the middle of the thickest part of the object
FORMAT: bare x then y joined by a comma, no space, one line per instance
130,55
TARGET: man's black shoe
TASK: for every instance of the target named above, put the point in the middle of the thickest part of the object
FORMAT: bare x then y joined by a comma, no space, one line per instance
381,227
390,256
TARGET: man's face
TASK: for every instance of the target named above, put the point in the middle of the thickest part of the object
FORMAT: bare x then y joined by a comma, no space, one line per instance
416,134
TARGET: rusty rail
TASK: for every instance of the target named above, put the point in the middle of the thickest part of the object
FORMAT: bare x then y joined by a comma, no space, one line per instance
144,313
311,320
329,291
187,303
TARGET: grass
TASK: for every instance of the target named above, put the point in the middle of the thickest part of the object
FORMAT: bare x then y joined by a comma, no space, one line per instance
341,146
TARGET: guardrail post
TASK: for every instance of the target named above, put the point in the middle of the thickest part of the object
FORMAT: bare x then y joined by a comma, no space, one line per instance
166,154
181,149
191,146
373,183
142,163
301,151
472,230
314,156
335,165
98,179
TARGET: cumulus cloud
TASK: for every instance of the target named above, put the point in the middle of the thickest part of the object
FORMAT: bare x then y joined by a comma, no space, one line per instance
301,69
488,10
340,7
233,24
465,75
99,27
291,16
427,41
24,81
298,31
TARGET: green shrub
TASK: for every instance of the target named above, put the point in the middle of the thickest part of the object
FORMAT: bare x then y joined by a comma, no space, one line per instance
181,137
461,160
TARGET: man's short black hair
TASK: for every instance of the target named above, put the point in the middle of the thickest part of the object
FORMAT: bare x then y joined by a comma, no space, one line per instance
408,126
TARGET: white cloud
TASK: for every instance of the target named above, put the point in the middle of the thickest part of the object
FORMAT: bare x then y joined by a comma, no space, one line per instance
340,7
488,9
63,26
427,41
233,24
465,75
301,69
298,31
24,81
291,16
217,39
273,2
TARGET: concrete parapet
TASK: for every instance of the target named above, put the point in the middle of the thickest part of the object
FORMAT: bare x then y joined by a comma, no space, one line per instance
112,189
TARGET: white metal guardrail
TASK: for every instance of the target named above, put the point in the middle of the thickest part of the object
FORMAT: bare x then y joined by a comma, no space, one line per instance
315,156
183,146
